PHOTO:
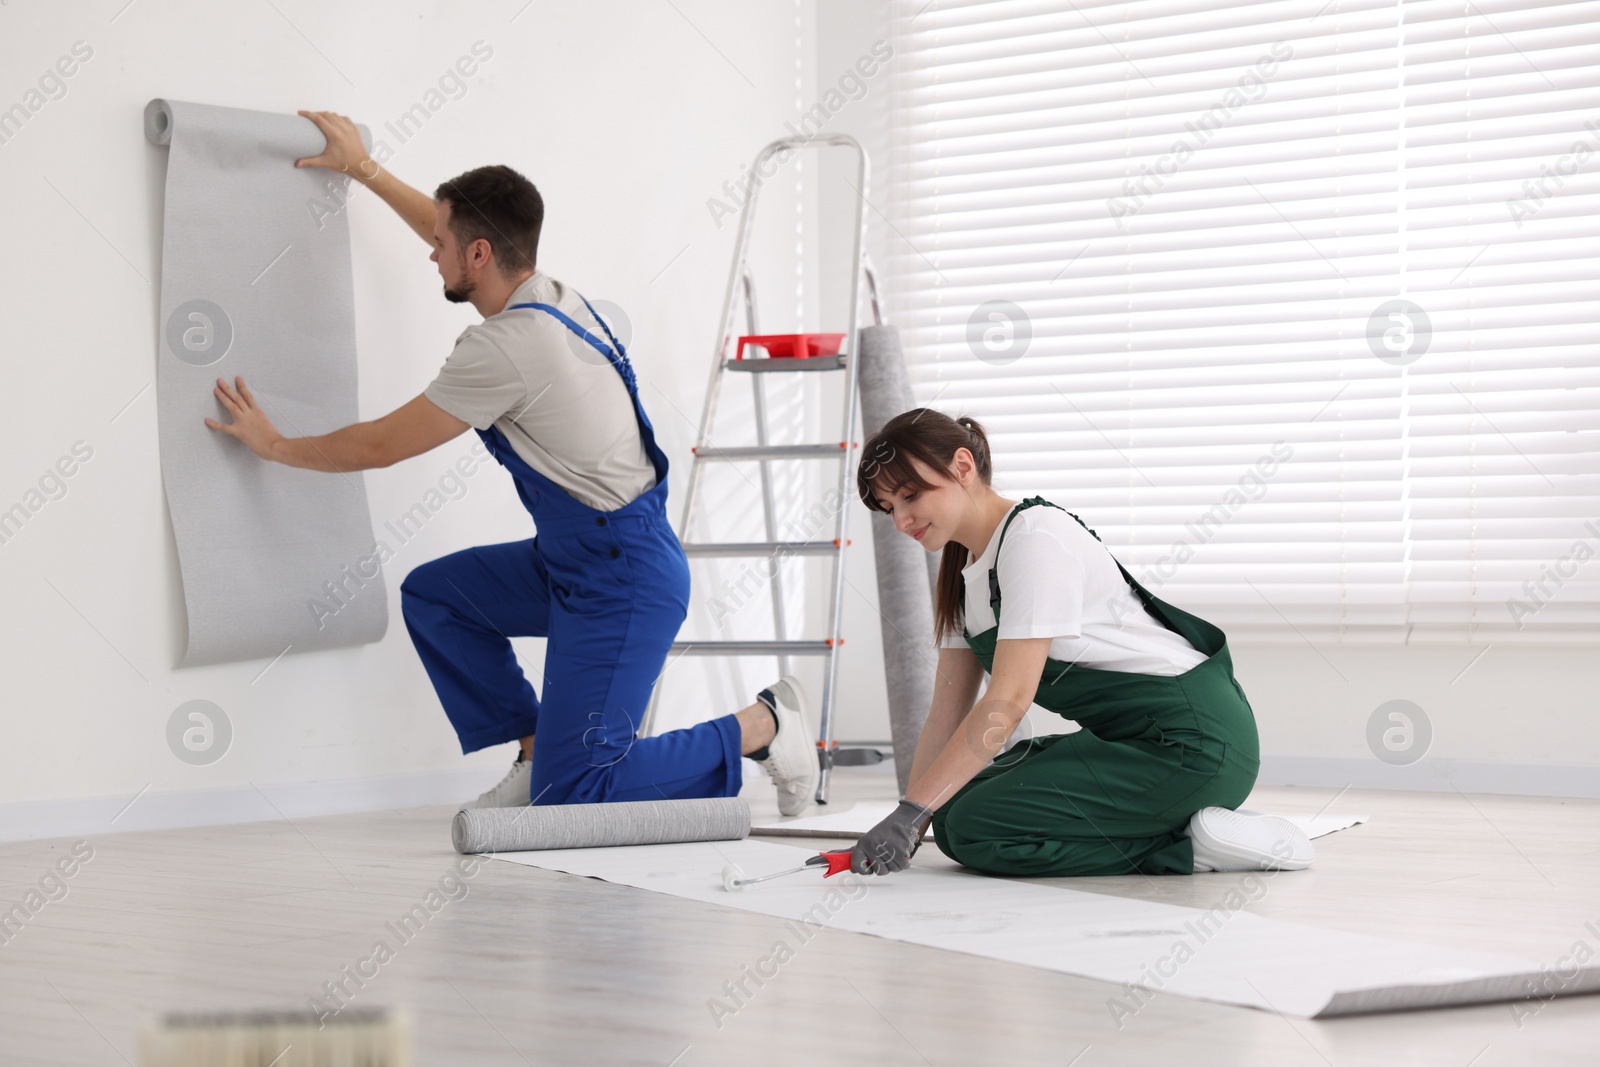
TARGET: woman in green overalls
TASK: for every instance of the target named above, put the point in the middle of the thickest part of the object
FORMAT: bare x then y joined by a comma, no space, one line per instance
1151,781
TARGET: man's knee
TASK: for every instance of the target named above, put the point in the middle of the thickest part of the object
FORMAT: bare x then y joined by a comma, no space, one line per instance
422,585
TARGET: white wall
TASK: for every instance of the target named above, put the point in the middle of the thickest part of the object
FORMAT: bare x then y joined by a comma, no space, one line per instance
628,116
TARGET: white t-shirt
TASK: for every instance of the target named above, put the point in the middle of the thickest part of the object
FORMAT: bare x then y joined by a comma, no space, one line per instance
1058,581
558,400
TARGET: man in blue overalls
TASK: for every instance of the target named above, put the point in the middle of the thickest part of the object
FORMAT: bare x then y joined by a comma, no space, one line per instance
550,390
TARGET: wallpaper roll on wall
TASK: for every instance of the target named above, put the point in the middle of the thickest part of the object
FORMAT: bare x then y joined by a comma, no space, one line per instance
255,282
627,822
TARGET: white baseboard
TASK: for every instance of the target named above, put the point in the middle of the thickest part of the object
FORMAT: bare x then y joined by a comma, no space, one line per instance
86,816
1434,775
1425,776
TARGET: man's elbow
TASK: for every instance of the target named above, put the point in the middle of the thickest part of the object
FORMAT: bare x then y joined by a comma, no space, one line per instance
380,453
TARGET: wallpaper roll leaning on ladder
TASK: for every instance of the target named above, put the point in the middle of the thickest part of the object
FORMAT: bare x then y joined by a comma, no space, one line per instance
255,281
905,601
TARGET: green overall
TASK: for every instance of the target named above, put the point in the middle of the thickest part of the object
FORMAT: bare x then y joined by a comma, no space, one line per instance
1116,796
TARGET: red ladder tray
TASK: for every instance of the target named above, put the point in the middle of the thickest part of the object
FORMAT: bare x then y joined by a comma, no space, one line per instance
793,345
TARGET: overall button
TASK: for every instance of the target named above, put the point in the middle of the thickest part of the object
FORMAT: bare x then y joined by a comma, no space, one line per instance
600,520
615,552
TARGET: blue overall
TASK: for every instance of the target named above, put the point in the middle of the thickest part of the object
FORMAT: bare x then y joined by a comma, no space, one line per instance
609,590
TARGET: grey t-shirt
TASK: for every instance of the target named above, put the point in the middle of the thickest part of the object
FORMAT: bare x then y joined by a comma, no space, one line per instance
560,403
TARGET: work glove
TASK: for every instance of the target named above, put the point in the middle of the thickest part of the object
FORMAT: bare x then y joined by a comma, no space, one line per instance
889,846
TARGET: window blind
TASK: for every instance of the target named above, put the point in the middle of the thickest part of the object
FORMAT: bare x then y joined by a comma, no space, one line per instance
1294,303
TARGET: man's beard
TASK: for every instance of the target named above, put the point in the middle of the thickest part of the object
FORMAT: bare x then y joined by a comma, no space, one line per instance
460,295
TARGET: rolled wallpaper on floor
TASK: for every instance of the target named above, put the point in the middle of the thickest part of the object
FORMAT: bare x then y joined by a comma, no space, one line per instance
255,282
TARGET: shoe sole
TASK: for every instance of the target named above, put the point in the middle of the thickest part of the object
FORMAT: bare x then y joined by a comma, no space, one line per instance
1236,836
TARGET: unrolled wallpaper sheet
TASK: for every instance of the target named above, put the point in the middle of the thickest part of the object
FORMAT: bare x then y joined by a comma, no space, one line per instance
255,282
855,821
1219,953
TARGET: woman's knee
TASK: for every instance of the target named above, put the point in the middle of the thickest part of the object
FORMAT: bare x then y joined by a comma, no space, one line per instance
987,853
971,838
957,835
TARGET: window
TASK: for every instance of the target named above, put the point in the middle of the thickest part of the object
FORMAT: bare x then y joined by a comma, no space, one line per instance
1294,303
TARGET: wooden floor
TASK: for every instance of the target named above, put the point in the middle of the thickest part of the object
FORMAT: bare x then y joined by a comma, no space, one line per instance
535,967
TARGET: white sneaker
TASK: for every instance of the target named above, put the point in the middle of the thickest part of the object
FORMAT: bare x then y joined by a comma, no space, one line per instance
792,755
1244,840
512,791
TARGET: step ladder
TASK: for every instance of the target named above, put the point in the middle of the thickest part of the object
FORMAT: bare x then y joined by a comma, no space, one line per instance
762,453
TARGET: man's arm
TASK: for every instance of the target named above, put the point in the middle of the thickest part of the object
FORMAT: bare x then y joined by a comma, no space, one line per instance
345,153
409,430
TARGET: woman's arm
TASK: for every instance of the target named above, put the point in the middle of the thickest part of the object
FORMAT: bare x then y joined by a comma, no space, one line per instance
982,733
955,687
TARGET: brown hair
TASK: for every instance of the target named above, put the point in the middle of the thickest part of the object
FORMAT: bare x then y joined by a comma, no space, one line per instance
500,206
931,438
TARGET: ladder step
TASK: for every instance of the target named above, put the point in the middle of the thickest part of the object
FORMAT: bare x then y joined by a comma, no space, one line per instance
753,648
781,366
747,452
849,757
763,548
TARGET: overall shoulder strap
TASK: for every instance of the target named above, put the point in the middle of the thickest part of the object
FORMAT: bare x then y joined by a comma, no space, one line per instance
994,568
570,323
617,356
615,343
1085,525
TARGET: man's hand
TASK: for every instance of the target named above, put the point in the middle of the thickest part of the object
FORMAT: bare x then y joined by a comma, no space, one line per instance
345,151
407,431
250,424
889,846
